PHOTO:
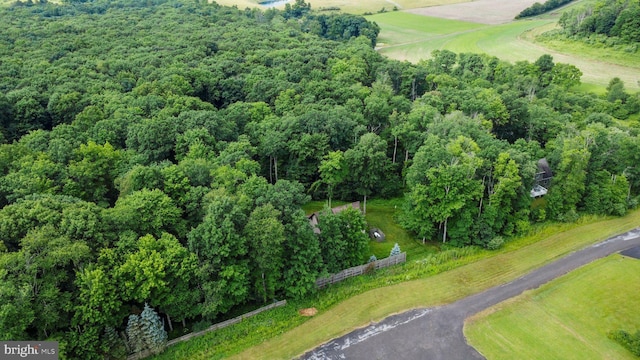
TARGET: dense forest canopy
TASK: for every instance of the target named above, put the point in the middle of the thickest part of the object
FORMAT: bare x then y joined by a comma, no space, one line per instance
158,153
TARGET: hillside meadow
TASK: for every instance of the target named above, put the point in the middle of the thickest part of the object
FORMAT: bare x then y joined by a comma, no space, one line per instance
413,37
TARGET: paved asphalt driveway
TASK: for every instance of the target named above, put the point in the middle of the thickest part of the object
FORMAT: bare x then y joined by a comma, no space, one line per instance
436,333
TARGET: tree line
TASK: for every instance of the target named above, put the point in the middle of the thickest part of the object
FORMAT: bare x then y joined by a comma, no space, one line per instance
159,153
618,21
538,8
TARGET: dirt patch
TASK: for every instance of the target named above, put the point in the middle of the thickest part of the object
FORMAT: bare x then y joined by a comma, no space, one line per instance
633,252
308,311
480,11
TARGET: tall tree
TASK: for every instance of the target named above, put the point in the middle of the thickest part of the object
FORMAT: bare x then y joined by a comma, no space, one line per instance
333,171
302,258
570,178
447,191
265,235
221,250
367,162
92,173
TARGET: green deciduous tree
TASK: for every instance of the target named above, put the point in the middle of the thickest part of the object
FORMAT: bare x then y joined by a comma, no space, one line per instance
447,191
146,212
367,162
570,178
343,241
506,213
565,75
42,270
92,173
333,170
265,235
302,258
221,250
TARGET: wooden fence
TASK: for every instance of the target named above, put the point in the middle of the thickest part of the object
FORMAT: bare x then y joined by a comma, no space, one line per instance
144,354
361,269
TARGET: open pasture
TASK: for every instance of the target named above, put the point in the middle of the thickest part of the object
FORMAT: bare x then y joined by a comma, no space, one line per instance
412,37
568,318
479,11
348,6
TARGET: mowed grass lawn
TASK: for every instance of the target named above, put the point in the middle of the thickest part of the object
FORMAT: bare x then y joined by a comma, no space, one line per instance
568,318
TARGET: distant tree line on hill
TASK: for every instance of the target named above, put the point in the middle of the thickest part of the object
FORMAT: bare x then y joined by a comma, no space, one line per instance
538,8
617,20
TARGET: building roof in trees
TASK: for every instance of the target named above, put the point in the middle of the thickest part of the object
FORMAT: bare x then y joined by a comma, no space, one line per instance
544,174
543,179
313,218
337,209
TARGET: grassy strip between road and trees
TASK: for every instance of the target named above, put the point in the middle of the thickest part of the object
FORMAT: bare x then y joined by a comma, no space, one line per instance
434,280
568,318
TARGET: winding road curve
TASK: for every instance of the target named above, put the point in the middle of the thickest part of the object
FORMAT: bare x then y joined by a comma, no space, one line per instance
436,333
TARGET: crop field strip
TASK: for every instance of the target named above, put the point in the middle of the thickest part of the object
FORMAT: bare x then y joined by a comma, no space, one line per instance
479,11
568,318
349,6
411,37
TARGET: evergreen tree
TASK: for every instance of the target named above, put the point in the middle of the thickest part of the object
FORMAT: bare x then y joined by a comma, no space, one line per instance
135,335
155,337
113,345
395,251
146,332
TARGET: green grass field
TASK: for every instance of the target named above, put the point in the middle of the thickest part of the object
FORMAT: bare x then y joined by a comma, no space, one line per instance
412,37
401,27
499,40
568,318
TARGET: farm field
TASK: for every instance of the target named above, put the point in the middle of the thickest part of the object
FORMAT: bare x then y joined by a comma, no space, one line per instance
412,37
348,6
568,318
480,11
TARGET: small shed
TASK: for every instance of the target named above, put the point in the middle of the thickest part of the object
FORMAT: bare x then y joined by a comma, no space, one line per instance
543,179
313,220
544,174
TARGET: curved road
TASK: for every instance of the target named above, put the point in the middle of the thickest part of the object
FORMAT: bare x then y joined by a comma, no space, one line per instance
436,333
